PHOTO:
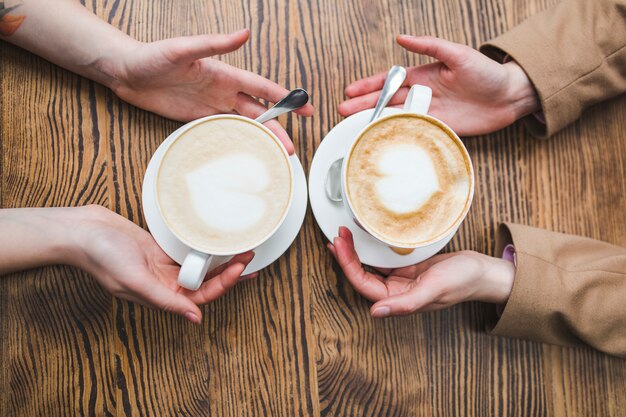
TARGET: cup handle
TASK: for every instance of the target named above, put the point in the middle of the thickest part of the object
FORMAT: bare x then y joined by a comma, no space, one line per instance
418,100
195,267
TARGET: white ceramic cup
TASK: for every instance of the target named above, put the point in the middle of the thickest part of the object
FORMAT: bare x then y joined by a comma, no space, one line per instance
417,102
197,263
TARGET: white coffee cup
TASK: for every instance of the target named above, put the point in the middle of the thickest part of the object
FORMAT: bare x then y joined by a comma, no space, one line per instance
417,102
197,262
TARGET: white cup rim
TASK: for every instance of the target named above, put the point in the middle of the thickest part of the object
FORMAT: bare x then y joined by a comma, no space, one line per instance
179,134
468,203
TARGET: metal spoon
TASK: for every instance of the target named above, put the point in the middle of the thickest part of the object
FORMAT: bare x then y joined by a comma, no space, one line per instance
395,78
292,101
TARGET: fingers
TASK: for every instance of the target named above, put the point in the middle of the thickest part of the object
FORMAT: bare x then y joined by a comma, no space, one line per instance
332,250
368,101
362,99
363,94
161,297
221,283
346,234
367,284
406,303
366,85
190,48
249,107
243,258
281,134
257,86
248,277
422,297
450,53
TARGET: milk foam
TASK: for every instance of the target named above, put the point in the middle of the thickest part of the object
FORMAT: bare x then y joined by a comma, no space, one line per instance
224,185
408,178
226,193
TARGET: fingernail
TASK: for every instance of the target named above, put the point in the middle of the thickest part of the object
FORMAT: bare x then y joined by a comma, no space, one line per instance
406,37
381,312
192,317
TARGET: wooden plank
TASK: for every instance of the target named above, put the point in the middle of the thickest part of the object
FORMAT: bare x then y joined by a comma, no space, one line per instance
297,341
444,363
249,356
56,332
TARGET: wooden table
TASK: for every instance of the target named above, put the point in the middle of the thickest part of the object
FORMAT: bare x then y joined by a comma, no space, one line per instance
297,341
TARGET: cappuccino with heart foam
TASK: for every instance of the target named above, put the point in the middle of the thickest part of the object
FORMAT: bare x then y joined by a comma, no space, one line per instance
408,180
224,185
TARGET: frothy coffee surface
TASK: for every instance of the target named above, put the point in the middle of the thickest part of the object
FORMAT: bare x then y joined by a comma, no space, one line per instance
408,181
224,185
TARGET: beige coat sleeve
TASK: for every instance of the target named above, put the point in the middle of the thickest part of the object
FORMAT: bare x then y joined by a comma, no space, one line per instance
575,55
568,290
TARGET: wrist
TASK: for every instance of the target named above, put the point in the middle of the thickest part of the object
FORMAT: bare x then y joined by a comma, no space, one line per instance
496,280
111,63
66,231
522,94
81,225
63,230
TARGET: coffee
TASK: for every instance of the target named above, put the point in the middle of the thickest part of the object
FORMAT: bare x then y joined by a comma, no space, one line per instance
408,180
224,185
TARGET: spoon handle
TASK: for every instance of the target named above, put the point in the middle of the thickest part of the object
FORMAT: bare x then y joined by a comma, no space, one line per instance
394,81
292,101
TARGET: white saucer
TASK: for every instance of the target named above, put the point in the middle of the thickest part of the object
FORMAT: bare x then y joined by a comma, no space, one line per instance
330,215
265,254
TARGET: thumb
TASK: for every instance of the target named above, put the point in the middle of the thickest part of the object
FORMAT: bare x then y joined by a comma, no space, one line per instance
163,298
402,304
190,48
450,53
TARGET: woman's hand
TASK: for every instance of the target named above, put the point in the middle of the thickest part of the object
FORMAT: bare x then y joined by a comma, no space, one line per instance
178,79
122,256
439,282
175,78
471,93
128,263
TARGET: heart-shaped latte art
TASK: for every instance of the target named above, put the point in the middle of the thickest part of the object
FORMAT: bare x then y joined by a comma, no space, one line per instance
407,178
226,192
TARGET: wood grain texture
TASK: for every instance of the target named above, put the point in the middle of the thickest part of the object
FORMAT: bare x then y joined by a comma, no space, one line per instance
298,341
56,322
445,363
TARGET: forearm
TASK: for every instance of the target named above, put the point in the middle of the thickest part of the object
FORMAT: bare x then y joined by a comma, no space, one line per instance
67,34
35,237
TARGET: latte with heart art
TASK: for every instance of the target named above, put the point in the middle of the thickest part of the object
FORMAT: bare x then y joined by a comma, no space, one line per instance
224,185
408,180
